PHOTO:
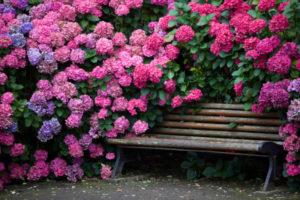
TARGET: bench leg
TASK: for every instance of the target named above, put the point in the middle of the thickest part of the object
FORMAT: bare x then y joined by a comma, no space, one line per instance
119,164
271,172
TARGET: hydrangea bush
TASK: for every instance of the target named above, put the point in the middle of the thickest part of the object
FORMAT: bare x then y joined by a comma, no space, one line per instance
85,80
75,72
252,47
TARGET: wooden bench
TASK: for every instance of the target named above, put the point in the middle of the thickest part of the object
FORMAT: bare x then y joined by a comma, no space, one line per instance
216,128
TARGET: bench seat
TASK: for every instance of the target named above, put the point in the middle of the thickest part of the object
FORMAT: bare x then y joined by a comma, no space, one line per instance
216,128
194,143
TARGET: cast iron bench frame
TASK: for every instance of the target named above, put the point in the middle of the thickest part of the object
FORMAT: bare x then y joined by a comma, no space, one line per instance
208,130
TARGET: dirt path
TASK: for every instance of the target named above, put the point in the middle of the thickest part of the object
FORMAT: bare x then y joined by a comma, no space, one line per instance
145,188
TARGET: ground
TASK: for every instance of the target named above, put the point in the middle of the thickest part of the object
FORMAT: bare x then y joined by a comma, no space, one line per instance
155,178
148,187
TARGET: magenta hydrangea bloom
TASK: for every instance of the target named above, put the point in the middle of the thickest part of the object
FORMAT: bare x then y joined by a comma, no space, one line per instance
105,172
40,155
184,34
140,127
265,5
278,23
58,166
17,150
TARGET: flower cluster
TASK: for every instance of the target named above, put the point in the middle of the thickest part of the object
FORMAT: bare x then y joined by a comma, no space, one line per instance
273,95
13,32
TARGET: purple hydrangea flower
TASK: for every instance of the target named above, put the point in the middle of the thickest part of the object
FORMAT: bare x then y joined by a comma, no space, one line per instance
14,29
49,58
18,40
34,56
24,18
294,85
49,129
8,9
13,128
85,141
74,173
42,109
293,113
26,27
20,4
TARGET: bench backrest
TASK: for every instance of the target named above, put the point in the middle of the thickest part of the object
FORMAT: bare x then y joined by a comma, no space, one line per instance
220,121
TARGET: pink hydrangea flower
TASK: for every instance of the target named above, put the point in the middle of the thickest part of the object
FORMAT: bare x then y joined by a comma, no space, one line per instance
58,166
17,150
7,98
40,155
238,88
104,46
105,172
170,86
193,95
104,29
38,171
75,150
172,52
265,5
119,39
121,124
110,156
184,34
77,56
278,23
3,78
176,101
288,129
96,151
73,121
140,127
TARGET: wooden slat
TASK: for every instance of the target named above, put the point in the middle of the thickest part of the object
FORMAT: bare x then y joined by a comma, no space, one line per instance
218,133
193,125
223,119
208,139
256,154
229,113
222,106
187,144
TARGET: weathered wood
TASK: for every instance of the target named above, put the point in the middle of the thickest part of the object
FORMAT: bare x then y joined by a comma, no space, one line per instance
222,106
223,119
229,113
217,133
193,144
209,139
210,126
256,154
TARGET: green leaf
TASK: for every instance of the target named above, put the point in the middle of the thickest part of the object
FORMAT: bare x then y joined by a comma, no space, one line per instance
173,12
203,21
84,23
191,174
34,2
162,95
247,106
145,91
209,171
181,78
170,74
94,60
232,125
89,53
28,121
253,13
93,18
172,23
186,165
